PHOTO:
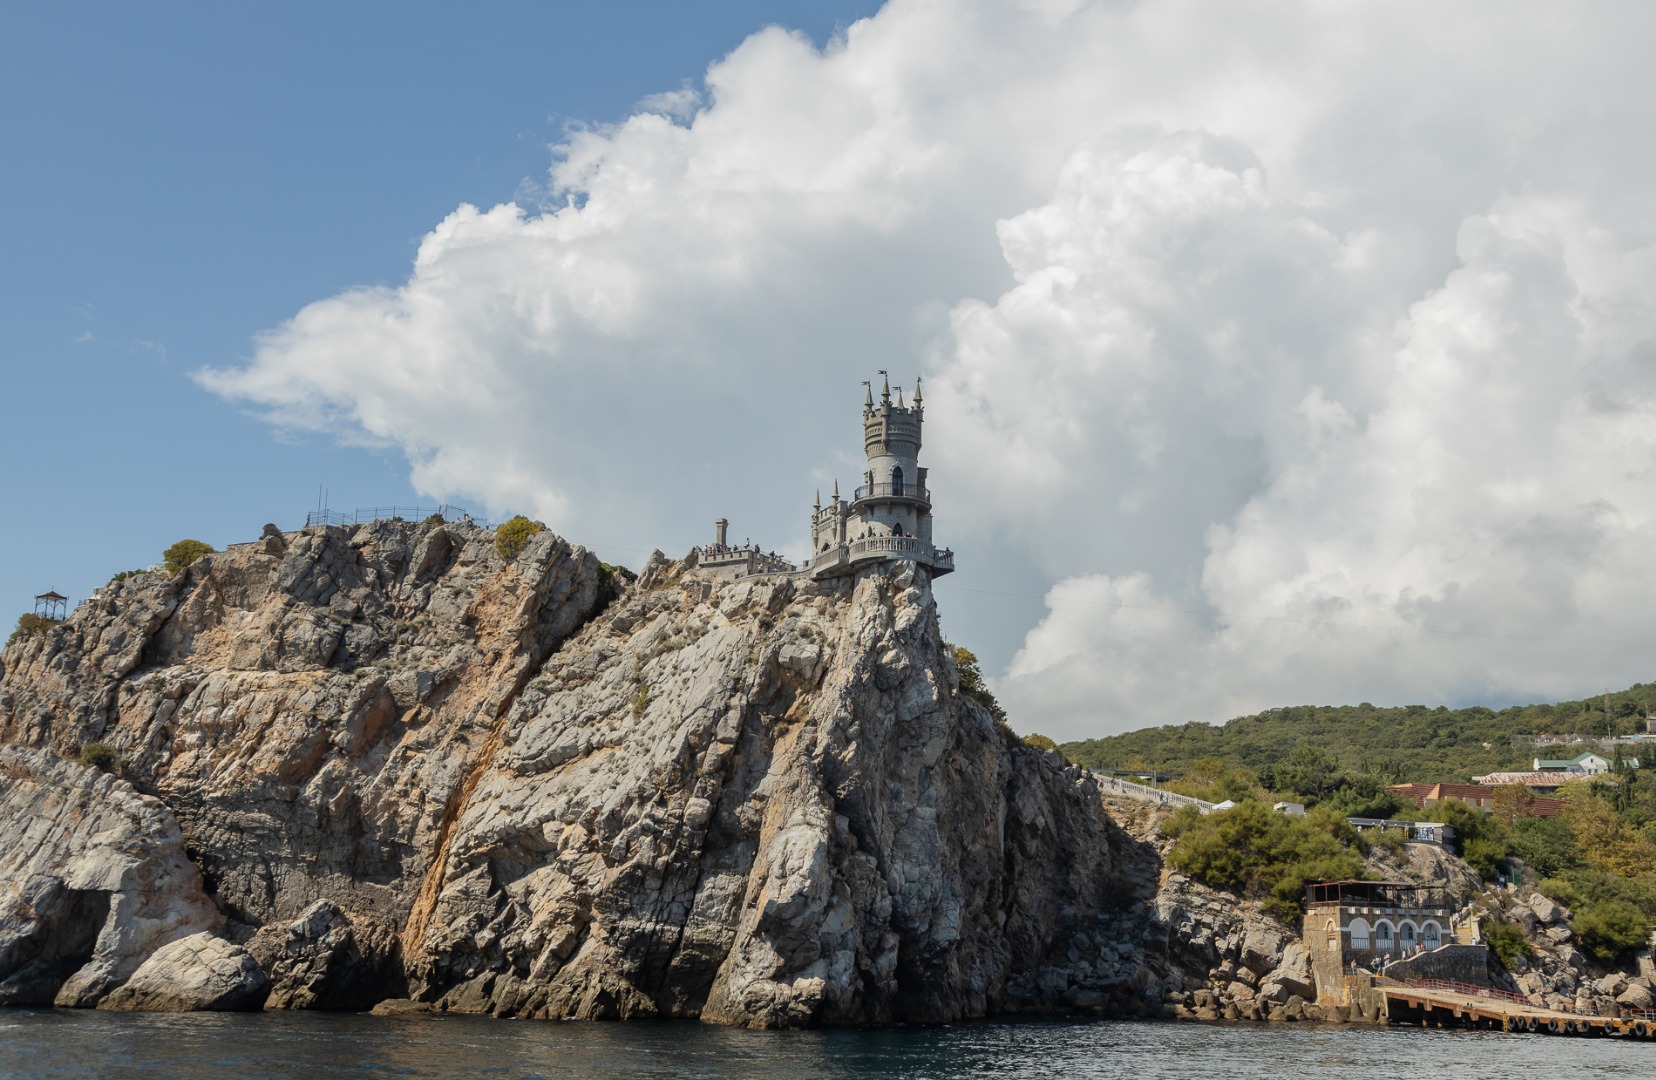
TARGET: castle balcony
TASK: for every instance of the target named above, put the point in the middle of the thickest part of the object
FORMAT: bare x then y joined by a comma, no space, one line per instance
909,492
846,558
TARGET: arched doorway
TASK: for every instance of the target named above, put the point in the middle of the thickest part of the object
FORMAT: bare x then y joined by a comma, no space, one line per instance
896,479
897,529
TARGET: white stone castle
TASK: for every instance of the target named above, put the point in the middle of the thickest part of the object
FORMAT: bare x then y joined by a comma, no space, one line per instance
889,515
888,518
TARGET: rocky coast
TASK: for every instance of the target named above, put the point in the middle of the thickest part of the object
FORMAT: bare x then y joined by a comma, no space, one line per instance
385,766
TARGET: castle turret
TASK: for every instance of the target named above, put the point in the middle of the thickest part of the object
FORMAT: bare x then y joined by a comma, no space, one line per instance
889,515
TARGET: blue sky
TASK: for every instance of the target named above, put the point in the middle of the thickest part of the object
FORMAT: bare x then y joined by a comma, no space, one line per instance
1275,351
184,176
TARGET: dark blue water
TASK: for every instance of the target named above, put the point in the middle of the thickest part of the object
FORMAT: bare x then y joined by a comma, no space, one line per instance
48,1043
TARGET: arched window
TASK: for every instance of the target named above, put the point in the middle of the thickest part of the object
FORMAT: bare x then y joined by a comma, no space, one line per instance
1431,935
1359,934
1382,935
1407,935
897,529
896,479
1333,929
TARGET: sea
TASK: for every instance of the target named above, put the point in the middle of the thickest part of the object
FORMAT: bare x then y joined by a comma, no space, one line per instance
321,1046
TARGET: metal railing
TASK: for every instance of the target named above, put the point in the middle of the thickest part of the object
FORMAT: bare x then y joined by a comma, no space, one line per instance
1146,793
1453,987
363,515
905,490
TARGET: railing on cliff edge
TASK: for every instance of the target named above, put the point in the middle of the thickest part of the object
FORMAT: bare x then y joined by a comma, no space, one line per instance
363,515
1145,793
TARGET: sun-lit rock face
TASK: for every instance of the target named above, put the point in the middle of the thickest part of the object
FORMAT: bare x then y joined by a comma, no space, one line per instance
521,788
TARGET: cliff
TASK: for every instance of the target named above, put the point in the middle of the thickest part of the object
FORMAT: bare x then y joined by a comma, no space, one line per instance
385,762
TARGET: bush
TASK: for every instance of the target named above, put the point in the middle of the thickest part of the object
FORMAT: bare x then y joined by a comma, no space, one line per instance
29,625
1547,845
972,686
124,574
436,519
183,553
1505,939
1263,854
611,580
513,535
641,700
1039,742
1611,928
99,756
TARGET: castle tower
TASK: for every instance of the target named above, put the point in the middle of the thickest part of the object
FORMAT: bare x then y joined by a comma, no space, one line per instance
889,515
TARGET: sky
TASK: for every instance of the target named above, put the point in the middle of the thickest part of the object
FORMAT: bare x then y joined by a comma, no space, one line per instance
1275,352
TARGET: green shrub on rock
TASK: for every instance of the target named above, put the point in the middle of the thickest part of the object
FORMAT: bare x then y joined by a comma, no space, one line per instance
183,553
1262,854
513,535
28,625
99,756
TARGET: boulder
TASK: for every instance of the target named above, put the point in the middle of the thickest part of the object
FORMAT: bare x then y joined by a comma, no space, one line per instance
1262,947
196,973
1546,910
1293,974
315,963
1637,995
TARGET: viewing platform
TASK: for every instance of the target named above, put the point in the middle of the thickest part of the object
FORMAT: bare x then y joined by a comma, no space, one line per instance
913,492
847,558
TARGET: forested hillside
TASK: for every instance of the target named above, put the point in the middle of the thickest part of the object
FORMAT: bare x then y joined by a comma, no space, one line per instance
1409,743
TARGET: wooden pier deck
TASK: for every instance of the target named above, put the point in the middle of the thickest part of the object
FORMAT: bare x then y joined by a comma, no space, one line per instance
1436,1004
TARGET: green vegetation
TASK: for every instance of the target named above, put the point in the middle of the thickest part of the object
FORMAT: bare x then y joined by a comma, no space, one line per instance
641,700
99,756
436,519
1039,741
611,580
124,574
1263,854
183,553
29,625
1505,938
513,535
1412,743
972,686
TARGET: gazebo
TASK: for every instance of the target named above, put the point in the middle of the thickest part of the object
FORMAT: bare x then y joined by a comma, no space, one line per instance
51,604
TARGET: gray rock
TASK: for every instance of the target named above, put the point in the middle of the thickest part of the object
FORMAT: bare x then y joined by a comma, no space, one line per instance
198,972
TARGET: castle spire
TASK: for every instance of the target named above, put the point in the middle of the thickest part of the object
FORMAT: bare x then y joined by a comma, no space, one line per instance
900,404
917,391
819,499
836,490
885,391
868,395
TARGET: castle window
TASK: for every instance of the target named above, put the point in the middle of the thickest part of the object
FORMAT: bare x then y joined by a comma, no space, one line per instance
897,529
897,480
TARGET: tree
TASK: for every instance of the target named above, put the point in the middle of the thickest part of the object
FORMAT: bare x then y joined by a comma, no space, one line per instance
183,553
1511,802
514,534
1039,742
972,685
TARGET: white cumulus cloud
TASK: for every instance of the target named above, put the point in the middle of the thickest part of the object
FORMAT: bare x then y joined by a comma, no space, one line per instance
1302,350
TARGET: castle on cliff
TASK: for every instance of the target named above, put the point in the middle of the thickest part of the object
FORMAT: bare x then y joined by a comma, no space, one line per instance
888,518
889,515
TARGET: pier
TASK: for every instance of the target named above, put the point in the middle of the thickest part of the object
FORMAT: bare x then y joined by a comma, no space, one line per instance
1444,1004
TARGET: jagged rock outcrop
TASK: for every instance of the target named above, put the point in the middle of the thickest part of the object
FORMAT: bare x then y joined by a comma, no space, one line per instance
93,880
410,768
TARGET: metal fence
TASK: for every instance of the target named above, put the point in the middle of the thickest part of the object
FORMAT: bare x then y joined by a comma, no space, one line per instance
363,515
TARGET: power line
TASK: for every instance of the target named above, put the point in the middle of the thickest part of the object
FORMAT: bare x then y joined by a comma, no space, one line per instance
1211,614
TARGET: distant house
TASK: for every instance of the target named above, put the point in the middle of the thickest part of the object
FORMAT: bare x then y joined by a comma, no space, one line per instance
1424,795
1292,809
1480,795
1587,764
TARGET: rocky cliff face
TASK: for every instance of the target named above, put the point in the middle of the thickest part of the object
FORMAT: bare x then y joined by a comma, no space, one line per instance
383,761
